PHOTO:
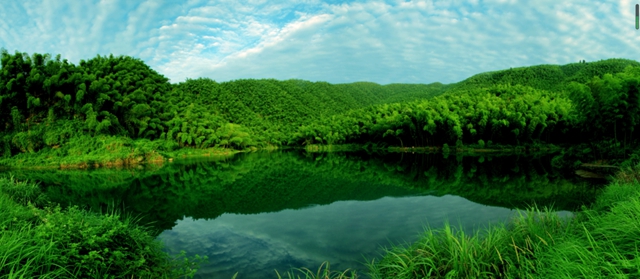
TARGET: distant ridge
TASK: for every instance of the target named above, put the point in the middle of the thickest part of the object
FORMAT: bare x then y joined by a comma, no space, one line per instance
546,77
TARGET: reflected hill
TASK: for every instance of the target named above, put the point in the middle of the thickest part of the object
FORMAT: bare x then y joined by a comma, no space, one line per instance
253,183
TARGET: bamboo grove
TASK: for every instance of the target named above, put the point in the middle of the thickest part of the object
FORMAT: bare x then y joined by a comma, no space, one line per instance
47,103
512,111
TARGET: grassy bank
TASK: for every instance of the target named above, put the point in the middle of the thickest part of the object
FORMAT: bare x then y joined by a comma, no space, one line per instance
121,152
39,240
319,148
600,241
108,151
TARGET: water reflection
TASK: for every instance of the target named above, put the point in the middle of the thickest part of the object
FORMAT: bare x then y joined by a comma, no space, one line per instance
345,233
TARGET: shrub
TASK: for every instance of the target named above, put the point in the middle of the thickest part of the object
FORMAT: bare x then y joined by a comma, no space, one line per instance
481,143
94,245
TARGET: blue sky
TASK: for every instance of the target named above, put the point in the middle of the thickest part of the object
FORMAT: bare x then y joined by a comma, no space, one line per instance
335,41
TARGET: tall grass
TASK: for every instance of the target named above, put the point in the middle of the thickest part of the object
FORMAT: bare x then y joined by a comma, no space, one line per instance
323,272
451,253
599,242
605,243
40,240
20,258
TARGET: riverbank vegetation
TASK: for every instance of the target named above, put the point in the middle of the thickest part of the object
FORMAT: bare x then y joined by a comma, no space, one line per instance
40,240
599,242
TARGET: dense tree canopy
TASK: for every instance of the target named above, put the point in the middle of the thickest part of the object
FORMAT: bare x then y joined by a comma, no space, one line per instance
504,114
547,77
572,103
45,101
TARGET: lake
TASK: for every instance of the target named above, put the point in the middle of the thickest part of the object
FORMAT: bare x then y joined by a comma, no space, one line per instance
254,213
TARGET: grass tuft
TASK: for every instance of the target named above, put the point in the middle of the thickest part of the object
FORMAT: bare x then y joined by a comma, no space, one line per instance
323,272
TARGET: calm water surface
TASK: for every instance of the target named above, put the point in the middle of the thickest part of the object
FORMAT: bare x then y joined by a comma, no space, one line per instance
259,212
345,233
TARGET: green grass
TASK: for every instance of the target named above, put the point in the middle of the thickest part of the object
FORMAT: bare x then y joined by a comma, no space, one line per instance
40,240
20,258
601,241
323,272
106,151
450,253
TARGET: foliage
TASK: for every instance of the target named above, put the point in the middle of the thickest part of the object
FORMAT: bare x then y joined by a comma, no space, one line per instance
502,114
46,241
45,101
547,77
323,272
598,243
608,106
272,110
49,99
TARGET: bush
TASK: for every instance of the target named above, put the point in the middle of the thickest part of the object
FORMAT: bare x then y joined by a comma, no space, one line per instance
95,245
23,192
73,243
481,143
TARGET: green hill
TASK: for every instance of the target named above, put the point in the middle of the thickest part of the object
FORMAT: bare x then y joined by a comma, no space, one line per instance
573,103
54,108
274,109
546,77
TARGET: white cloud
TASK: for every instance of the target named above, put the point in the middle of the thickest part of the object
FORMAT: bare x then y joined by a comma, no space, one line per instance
392,41
387,43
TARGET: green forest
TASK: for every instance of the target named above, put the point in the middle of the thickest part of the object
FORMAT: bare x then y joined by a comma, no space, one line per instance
52,109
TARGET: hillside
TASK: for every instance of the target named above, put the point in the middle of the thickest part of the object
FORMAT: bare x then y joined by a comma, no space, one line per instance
54,108
546,77
46,102
274,109
573,103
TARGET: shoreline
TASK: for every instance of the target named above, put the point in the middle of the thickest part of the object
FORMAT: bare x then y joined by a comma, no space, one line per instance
131,160
136,159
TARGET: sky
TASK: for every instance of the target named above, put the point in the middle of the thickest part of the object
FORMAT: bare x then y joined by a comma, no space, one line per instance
391,41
